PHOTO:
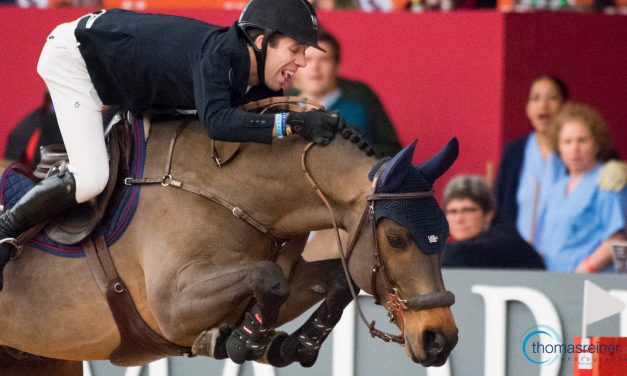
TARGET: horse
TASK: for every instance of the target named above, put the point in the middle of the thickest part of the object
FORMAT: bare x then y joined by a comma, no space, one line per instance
193,267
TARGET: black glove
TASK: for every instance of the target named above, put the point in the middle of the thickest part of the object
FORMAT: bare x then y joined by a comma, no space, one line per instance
317,126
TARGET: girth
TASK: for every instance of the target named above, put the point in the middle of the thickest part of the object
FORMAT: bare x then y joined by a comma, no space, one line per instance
139,344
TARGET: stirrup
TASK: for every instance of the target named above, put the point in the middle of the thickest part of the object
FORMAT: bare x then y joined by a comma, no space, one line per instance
13,242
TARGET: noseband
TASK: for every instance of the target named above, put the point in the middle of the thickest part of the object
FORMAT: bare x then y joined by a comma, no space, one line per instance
395,304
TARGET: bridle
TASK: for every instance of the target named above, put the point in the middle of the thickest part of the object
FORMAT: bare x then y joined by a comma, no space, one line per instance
394,303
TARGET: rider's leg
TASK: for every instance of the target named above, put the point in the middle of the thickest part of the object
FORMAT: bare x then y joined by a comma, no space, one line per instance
78,110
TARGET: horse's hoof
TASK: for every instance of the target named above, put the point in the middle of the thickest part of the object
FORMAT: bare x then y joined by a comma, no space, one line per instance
236,347
212,343
307,358
304,355
281,350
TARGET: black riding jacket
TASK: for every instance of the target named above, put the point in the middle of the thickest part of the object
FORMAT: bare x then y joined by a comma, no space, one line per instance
161,62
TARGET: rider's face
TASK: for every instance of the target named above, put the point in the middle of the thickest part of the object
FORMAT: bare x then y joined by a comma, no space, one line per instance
282,61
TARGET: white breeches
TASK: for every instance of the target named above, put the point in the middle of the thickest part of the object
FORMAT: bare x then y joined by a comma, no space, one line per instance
78,109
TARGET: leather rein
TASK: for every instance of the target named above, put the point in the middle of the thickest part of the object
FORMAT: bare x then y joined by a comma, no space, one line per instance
395,304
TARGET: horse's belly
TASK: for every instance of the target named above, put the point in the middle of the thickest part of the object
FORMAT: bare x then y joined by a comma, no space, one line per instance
51,306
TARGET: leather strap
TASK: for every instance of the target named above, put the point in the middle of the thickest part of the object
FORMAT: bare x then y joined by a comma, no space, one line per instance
168,181
398,196
290,103
138,342
229,151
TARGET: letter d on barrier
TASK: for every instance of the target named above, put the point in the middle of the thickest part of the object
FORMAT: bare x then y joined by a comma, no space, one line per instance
495,300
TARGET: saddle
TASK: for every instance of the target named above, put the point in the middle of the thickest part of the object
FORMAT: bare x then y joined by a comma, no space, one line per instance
73,226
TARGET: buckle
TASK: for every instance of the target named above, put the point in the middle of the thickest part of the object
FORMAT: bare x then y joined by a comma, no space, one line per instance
13,242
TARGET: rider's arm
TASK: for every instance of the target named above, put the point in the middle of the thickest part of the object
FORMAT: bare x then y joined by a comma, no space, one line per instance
213,92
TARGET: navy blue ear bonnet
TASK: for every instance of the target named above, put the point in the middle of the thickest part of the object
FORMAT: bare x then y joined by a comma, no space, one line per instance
422,217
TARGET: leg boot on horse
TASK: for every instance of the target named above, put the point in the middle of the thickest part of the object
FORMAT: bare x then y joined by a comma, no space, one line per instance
51,196
304,344
249,340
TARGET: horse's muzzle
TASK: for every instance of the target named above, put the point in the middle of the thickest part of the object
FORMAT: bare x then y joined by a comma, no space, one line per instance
436,347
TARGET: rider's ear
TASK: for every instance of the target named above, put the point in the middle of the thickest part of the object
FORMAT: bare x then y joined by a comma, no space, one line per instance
439,163
397,169
259,41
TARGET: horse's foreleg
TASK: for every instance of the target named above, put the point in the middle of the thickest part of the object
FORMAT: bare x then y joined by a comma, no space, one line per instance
270,288
204,296
310,282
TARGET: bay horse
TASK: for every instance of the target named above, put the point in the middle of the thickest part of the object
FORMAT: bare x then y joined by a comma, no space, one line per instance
193,268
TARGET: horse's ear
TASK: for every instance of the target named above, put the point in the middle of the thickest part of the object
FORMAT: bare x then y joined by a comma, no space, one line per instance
442,161
397,168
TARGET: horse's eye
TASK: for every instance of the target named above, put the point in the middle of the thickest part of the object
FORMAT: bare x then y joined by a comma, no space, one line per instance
397,241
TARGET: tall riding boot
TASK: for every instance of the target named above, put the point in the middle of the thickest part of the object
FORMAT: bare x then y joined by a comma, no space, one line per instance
51,196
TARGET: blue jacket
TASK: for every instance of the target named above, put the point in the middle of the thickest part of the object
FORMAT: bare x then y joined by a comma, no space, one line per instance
508,181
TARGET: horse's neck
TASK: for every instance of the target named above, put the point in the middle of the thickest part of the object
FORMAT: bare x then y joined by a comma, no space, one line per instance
268,182
340,171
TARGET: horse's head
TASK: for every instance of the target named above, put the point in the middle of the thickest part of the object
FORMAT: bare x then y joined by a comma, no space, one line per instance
397,253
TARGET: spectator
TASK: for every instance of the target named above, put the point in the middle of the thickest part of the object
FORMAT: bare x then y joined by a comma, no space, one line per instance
37,129
354,100
579,218
529,167
469,205
57,3
32,3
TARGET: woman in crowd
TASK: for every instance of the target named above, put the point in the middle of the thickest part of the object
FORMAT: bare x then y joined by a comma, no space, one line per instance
469,205
529,167
579,220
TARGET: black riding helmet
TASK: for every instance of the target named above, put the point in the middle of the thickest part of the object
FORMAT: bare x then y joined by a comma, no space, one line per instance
295,18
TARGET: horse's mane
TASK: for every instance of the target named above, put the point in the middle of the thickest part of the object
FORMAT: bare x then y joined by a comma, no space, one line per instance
353,135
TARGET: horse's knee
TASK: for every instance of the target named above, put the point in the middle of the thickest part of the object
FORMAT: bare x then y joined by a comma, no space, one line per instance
267,280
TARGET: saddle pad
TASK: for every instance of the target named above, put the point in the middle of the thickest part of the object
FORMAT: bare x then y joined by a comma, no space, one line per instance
16,181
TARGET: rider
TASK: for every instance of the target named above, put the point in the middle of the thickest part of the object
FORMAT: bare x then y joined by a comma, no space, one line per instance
153,61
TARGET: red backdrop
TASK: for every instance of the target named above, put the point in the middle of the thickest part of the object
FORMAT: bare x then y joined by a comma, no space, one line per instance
440,75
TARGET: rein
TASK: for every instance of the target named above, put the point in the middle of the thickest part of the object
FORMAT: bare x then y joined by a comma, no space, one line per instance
395,304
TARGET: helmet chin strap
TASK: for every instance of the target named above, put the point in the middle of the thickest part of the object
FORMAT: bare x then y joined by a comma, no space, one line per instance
260,56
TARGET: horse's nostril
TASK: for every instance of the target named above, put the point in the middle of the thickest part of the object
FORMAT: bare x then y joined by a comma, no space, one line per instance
434,342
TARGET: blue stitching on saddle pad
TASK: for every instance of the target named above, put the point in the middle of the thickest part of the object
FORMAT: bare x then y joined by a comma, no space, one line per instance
15,183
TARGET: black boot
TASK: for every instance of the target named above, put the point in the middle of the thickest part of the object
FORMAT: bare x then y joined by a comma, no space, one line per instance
51,196
304,344
249,340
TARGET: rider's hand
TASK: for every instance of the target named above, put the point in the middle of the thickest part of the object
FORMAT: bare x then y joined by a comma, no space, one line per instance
317,126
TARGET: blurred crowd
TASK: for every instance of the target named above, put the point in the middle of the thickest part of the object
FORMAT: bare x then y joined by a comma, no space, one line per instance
365,5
